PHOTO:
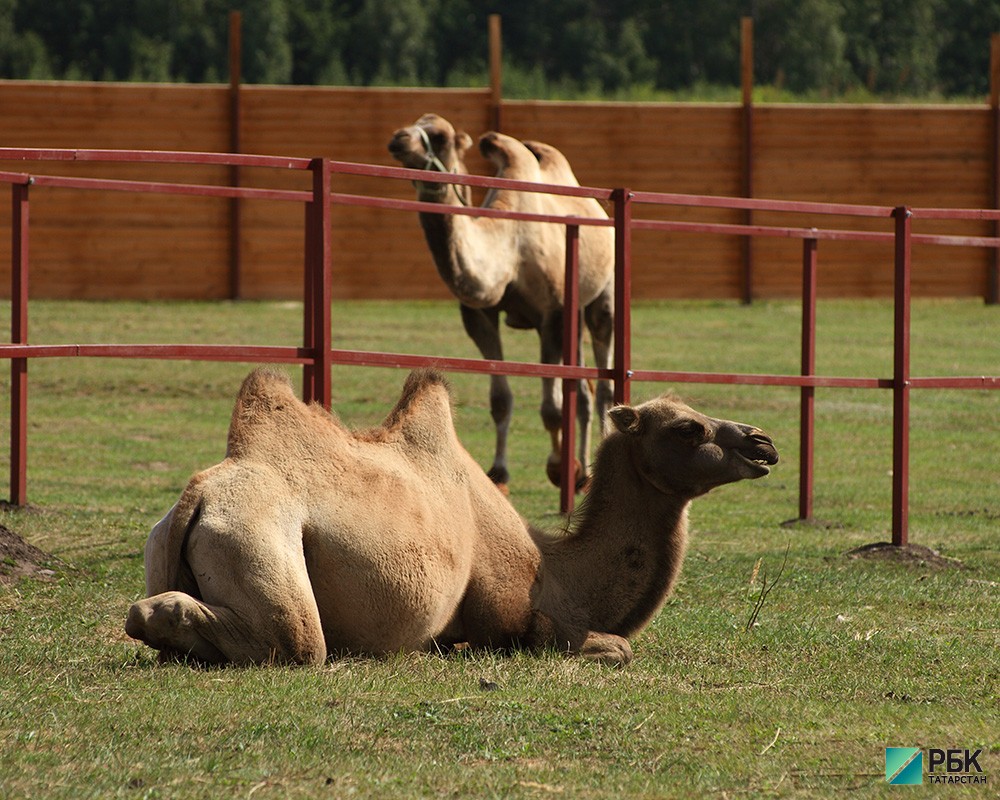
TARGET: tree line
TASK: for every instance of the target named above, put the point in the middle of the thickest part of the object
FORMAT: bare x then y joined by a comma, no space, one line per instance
554,48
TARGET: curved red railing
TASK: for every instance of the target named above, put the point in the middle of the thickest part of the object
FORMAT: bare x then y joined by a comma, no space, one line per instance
316,354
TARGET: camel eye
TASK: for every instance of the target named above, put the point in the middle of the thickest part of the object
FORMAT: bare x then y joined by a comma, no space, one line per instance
690,431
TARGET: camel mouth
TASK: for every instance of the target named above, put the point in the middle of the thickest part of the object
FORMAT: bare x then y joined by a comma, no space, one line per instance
398,148
760,459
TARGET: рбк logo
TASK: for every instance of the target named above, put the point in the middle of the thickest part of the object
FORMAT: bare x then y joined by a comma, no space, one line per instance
904,766
961,766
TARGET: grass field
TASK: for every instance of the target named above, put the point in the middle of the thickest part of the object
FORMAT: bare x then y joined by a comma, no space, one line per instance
847,657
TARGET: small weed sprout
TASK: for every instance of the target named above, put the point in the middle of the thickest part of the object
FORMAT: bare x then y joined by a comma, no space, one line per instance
765,587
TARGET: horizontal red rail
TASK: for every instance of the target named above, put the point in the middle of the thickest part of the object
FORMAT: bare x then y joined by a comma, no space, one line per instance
438,208
161,187
152,157
316,356
752,204
186,352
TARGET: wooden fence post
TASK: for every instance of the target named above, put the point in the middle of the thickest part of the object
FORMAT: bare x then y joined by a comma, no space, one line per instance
496,73
746,76
235,146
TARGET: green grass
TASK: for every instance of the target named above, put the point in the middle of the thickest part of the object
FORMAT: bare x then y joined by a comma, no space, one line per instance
848,656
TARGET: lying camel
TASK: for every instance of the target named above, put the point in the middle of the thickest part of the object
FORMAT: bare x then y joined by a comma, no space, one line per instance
515,267
310,540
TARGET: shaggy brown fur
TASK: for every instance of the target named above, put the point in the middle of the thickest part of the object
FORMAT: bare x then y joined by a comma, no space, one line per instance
310,540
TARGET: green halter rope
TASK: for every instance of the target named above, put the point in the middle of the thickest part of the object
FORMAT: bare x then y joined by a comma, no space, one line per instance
434,163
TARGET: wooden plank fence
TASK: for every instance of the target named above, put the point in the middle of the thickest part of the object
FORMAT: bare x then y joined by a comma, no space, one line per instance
111,245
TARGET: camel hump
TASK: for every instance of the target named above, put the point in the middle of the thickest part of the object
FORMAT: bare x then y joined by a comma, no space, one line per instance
264,396
510,156
422,416
553,164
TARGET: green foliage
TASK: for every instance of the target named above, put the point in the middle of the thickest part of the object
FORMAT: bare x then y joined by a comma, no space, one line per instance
638,49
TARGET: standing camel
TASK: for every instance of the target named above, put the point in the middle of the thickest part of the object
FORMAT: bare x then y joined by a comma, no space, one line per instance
518,268
310,540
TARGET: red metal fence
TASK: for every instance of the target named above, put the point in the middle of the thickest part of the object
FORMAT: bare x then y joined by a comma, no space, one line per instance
317,356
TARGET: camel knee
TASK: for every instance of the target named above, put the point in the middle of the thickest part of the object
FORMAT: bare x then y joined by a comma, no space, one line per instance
551,413
167,622
501,400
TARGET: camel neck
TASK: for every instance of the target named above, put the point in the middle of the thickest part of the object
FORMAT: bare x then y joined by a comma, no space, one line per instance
474,257
620,564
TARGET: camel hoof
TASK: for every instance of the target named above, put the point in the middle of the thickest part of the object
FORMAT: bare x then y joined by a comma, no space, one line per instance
500,477
554,472
607,649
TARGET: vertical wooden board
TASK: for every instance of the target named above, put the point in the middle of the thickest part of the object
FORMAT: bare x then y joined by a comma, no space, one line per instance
128,116
921,156
879,155
684,148
100,244
352,125
932,157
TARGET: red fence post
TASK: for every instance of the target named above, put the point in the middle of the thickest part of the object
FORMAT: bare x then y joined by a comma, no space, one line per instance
571,350
993,268
19,335
317,292
622,368
807,401
901,379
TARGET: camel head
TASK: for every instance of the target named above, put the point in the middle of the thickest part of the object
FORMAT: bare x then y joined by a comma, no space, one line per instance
432,143
684,453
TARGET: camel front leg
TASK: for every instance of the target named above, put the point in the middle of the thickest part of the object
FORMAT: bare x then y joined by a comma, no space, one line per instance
483,327
550,334
249,598
606,648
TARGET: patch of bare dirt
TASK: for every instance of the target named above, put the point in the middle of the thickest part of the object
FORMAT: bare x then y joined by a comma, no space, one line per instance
19,559
913,555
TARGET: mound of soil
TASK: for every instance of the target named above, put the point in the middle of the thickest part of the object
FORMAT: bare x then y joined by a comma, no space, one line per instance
914,555
18,558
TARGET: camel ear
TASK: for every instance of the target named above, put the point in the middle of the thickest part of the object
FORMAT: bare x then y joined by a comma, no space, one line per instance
626,419
462,142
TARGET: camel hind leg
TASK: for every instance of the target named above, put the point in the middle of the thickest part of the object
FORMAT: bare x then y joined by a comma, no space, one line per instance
251,601
551,334
179,625
599,316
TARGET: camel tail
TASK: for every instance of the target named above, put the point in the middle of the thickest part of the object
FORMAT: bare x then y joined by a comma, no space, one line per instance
181,521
